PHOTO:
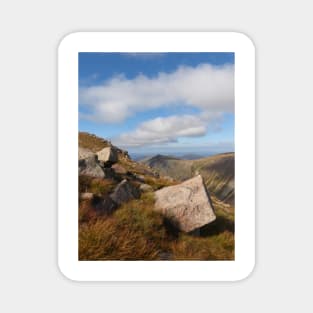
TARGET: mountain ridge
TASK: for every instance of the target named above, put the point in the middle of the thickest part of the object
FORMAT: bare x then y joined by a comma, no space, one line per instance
217,171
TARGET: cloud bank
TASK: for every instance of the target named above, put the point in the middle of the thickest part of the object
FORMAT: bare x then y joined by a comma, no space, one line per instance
205,87
168,129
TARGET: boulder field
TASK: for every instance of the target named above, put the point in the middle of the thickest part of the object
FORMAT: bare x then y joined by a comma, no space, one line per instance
187,205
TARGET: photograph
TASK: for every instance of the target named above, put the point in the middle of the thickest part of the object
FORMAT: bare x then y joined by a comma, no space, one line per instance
156,156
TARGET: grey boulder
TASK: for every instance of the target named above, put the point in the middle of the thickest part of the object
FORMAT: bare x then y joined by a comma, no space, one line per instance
104,205
187,205
124,192
90,167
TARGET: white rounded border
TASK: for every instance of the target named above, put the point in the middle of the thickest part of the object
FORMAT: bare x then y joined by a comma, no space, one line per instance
244,261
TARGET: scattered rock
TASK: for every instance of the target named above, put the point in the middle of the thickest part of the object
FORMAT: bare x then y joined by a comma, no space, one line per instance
107,156
119,169
90,167
124,192
187,205
104,205
86,196
145,188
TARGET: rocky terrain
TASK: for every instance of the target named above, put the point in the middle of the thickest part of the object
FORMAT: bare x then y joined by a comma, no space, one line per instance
134,211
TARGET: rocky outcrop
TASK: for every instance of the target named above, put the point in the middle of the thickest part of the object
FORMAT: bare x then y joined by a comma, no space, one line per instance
187,205
107,156
84,153
124,192
90,167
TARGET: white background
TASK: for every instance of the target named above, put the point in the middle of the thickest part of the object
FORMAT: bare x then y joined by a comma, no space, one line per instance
30,32
244,52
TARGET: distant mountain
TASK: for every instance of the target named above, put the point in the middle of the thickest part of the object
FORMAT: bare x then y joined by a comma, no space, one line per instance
218,172
191,156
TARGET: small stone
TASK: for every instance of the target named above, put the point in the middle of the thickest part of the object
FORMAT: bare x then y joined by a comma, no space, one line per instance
145,188
86,196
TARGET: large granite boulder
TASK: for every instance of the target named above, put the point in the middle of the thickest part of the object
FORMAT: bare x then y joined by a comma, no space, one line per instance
84,153
124,192
90,167
107,156
187,205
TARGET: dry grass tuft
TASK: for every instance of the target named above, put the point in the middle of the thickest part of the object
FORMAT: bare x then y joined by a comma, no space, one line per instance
218,247
157,183
97,186
133,232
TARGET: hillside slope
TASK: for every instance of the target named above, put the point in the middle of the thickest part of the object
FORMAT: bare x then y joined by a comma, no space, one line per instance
116,222
218,172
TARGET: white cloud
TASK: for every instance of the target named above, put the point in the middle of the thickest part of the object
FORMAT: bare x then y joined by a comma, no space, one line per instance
168,129
206,87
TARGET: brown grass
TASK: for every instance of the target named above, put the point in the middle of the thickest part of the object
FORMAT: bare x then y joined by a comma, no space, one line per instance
136,232
91,142
97,186
133,232
157,183
218,247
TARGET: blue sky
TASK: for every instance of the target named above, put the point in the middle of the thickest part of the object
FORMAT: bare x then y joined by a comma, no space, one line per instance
170,103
